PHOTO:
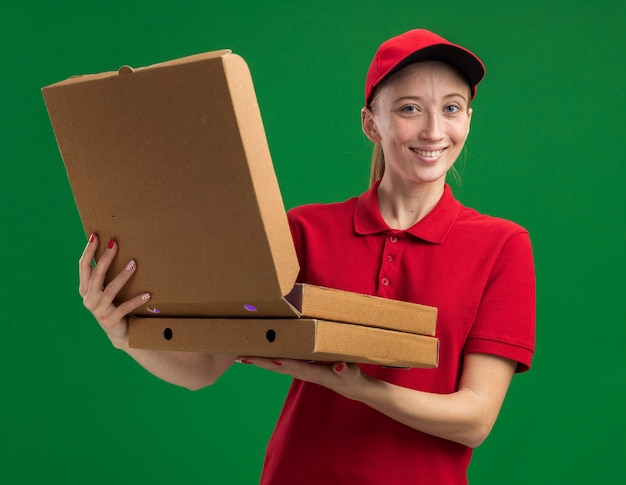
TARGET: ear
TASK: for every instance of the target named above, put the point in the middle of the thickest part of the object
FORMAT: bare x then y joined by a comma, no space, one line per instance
469,121
368,125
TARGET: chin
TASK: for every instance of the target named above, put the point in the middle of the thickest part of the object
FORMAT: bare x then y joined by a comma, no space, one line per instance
430,178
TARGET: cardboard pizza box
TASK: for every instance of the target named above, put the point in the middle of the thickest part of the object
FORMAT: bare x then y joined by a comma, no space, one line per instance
302,338
172,161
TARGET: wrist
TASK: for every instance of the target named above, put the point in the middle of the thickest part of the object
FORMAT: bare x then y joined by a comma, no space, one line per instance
359,388
119,340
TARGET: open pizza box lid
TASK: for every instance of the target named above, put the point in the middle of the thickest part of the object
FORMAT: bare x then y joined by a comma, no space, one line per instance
172,161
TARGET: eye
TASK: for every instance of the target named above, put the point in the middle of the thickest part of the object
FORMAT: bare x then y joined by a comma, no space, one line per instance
451,108
409,108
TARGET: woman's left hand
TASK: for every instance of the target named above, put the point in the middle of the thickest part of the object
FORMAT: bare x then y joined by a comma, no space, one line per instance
465,416
341,377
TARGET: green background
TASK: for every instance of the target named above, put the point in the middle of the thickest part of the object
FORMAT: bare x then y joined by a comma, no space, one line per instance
546,150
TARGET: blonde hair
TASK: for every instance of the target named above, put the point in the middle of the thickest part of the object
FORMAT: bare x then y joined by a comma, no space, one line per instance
378,164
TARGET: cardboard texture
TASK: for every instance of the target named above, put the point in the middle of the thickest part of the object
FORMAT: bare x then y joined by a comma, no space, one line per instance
326,303
307,339
172,161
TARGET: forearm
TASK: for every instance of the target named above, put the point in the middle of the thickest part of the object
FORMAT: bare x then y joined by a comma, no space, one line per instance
186,369
465,416
458,417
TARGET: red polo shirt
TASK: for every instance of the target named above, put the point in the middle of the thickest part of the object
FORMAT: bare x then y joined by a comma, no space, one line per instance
477,270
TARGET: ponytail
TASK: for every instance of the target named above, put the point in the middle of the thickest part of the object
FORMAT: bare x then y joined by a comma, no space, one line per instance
378,164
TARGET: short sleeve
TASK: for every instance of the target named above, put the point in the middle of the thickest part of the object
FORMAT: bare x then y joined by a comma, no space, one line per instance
505,321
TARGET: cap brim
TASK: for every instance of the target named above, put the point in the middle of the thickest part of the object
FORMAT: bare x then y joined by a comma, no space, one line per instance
467,64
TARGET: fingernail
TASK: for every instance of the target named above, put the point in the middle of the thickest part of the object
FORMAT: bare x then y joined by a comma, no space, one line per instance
92,238
111,243
277,362
243,361
131,265
339,367
146,296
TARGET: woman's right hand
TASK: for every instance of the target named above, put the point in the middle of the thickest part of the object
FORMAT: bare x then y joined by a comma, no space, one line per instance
99,298
192,370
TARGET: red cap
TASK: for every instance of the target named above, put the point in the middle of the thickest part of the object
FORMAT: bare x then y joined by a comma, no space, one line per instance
421,45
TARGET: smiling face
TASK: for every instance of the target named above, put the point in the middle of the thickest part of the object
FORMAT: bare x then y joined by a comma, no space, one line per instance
421,118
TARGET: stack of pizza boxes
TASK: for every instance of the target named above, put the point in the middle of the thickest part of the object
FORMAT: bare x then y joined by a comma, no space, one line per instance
172,160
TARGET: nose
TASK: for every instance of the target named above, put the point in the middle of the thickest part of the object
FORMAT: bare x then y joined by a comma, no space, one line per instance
431,130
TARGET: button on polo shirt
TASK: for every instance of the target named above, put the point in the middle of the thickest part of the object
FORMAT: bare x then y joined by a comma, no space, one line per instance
392,250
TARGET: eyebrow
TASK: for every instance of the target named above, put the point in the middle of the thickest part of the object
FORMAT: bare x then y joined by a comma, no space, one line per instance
418,98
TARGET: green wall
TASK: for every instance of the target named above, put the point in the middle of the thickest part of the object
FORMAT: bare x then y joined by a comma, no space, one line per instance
545,150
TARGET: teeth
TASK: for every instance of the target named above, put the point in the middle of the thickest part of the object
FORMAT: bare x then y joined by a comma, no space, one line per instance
427,153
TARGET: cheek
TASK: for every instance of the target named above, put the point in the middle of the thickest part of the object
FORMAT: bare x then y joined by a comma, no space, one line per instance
399,131
458,132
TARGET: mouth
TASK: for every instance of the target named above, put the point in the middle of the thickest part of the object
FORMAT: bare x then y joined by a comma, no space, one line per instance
431,154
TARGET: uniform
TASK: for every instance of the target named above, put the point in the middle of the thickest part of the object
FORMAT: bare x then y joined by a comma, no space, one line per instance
476,269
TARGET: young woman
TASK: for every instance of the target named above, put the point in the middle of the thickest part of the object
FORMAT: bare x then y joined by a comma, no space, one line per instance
406,238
